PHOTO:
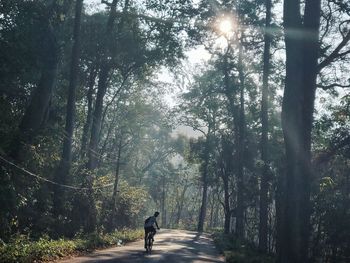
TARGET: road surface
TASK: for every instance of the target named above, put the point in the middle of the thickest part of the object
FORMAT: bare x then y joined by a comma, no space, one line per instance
170,246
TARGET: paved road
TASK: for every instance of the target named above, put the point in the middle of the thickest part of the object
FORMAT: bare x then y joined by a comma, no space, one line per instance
170,246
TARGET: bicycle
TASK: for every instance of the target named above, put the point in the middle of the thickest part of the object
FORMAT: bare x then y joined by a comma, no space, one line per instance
149,241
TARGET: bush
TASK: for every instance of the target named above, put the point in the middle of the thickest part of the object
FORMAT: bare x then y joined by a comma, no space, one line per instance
130,207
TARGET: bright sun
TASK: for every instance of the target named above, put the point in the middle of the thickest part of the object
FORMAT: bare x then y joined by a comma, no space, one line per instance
225,26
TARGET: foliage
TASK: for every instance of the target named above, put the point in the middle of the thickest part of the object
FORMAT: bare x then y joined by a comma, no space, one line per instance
131,201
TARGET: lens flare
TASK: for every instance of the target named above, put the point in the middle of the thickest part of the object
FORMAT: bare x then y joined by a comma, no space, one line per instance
226,26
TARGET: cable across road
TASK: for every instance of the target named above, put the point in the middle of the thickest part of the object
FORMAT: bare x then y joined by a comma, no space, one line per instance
50,181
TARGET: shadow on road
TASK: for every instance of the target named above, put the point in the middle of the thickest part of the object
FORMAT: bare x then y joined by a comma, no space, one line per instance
171,246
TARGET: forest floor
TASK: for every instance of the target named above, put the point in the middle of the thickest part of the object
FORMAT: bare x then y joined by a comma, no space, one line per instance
170,246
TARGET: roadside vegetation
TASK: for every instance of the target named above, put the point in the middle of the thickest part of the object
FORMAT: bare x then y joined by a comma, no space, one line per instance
236,251
22,249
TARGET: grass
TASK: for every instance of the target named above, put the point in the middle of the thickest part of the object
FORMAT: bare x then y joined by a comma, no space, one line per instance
21,249
236,251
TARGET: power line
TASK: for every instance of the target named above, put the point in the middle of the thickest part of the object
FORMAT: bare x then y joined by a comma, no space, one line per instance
74,140
62,135
49,181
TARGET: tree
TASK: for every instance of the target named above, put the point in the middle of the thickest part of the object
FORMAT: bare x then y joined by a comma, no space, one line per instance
201,109
52,17
65,163
264,184
297,118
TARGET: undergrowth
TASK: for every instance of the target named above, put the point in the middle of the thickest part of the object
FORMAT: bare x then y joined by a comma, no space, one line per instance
236,251
22,249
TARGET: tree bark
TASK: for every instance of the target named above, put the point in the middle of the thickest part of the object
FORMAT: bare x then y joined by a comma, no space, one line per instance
264,184
302,50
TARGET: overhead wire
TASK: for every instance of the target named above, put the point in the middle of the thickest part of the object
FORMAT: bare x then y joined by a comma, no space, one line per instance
62,135
50,181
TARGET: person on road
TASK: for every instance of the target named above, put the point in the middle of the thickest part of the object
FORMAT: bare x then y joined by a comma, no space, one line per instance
150,224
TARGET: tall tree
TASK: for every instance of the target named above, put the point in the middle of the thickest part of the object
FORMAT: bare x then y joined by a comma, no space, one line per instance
102,84
34,115
240,147
205,178
225,171
264,182
302,49
66,158
202,111
90,221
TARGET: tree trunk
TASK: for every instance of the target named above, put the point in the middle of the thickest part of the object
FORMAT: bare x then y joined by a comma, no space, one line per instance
297,117
239,127
240,152
264,184
216,216
203,209
227,208
163,200
212,205
115,187
181,204
101,89
65,163
88,122
225,172
37,109
90,221
227,155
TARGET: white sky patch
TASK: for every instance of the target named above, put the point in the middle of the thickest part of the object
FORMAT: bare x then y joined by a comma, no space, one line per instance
198,55
93,6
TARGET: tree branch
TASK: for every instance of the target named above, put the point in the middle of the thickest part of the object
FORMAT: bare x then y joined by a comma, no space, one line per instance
327,87
335,54
106,2
328,154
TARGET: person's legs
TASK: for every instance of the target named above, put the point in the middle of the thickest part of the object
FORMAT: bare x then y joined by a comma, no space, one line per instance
146,232
153,233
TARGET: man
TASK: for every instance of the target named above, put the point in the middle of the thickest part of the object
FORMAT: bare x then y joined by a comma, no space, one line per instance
149,225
